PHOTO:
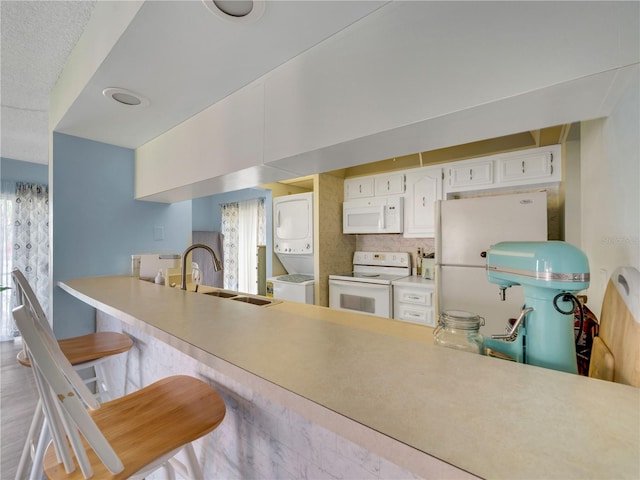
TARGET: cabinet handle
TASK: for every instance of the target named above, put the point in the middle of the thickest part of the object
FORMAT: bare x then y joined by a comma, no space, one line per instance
360,188
522,166
471,174
551,169
423,202
388,185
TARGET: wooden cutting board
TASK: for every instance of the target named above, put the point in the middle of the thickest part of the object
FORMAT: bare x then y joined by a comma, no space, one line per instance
616,351
601,365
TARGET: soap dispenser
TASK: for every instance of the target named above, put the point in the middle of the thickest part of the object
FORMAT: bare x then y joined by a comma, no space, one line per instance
419,263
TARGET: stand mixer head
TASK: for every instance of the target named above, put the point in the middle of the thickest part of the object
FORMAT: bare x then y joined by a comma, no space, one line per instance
550,273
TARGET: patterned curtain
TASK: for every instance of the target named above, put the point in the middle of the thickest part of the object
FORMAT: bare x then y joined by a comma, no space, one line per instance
230,244
244,228
31,237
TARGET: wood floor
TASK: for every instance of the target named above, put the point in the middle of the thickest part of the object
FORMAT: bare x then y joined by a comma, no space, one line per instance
18,398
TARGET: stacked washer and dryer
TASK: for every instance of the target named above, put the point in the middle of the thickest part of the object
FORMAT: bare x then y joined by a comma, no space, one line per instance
293,244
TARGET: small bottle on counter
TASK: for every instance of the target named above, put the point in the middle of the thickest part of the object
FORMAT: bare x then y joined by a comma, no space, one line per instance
419,263
135,266
159,278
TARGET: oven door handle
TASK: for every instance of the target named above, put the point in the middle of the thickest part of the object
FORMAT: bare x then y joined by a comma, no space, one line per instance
343,283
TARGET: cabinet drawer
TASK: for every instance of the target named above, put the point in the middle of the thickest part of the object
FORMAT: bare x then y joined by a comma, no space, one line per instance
415,314
414,297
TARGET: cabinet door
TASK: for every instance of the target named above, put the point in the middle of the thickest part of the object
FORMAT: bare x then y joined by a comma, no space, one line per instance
424,187
358,187
536,166
474,174
389,184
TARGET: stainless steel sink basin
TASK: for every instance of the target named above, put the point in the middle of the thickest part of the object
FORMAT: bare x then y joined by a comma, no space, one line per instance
221,294
252,300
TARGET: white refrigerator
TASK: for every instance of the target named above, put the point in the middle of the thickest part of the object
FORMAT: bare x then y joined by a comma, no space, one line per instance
468,227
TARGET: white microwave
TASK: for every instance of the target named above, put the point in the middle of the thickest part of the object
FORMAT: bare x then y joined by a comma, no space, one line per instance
373,215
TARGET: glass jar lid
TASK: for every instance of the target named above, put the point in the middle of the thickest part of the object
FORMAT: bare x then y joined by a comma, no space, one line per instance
461,319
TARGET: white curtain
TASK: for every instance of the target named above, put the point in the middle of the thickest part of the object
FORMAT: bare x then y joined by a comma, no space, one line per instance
244,228
7,195
25,244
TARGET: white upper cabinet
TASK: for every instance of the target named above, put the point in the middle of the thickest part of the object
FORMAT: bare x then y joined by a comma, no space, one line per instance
471,174
424,187
541,165
358,187
529,168
374,185
391,184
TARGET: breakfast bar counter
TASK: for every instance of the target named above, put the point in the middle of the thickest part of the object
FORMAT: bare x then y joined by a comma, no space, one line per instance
384,386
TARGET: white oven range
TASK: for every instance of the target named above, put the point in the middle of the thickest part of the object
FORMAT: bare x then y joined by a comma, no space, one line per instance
368,288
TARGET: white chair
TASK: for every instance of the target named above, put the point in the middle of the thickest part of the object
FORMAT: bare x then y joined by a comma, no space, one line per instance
128,437
85,353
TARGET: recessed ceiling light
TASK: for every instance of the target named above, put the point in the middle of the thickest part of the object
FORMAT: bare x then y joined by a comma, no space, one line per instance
125,97
239,11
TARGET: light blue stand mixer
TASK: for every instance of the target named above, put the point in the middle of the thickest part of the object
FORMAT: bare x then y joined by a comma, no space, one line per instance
550,273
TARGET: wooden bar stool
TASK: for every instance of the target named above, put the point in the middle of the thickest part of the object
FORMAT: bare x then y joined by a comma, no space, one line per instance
84,353
128,437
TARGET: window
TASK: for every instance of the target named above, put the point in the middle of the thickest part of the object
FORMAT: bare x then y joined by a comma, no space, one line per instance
24,244
244,228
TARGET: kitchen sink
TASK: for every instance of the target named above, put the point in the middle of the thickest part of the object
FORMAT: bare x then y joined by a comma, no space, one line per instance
221,294
252,300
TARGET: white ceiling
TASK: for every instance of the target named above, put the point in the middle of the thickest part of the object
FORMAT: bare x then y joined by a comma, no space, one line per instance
155,57
36,39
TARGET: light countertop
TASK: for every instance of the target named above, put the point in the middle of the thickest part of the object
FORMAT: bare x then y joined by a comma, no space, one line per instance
489,417
414,280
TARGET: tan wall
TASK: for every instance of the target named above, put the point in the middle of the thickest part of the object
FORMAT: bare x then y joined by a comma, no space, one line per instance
334,251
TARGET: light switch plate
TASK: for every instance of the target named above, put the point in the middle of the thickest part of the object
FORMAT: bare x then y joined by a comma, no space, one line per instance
158,233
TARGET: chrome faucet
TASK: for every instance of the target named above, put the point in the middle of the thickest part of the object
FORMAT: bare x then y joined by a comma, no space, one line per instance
217,266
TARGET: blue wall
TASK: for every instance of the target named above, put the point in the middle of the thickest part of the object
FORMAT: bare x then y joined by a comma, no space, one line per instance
207,213
18,171
97,223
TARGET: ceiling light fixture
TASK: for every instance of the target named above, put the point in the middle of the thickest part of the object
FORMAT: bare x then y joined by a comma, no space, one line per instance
238,11
125,97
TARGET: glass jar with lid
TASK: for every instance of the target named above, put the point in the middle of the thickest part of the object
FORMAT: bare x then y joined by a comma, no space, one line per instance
459,330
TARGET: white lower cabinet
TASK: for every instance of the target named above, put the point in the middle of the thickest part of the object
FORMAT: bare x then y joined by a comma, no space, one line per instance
413,300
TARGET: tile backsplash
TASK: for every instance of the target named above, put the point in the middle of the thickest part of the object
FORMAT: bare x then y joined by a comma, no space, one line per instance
394,243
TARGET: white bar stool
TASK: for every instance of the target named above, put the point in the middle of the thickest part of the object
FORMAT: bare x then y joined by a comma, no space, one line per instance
128,437
84,352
